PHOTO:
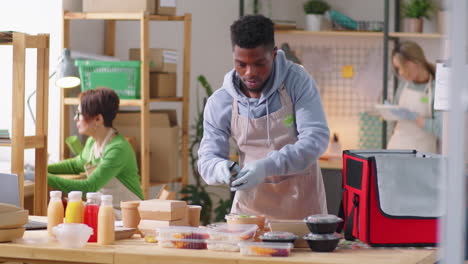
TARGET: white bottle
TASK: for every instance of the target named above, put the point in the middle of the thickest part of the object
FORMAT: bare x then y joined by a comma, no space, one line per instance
106,221
55,211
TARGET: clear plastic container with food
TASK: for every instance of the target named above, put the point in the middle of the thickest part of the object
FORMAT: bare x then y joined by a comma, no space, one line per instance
221,245
182,243
322,223
182,232
265,249
233,232
259,220
278,237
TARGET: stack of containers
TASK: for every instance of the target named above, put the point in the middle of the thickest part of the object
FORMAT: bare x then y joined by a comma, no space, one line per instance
323,227
226,237
160,213
184,237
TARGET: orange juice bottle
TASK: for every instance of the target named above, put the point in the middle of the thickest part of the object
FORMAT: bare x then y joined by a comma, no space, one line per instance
54,211
75,209
106,221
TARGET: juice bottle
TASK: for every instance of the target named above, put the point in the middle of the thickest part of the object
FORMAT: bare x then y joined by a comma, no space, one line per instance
54,211
75,209
91,214
106,221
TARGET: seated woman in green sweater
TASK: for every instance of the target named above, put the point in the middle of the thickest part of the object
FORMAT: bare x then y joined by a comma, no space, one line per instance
107,158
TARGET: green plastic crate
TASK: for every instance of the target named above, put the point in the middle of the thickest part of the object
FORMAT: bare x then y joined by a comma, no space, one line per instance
121,76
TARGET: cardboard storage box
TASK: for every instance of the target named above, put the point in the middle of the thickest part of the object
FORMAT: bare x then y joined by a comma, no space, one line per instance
162,209
149,226
120,6
163,84
161,60
299,228
164,140
166,7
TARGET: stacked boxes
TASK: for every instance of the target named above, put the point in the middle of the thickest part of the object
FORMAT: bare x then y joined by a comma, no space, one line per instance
160,7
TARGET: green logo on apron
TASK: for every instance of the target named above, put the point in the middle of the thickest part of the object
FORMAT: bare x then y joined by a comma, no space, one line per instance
424,99
288,120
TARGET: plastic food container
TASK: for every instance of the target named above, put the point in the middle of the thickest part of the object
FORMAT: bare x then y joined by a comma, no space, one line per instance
72,235
182,243
221,245
150,236
322,223
322,242
278,237
182,232
265,249
259,220
233,232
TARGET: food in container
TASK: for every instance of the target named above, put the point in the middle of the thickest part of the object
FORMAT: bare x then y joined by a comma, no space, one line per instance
182,243
278,237
182,232
222,245
72,235
265,249
322,223
233,232
259,220
322,242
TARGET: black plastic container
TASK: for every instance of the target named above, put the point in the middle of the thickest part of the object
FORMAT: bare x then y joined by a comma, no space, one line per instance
278,237
322,223
322,242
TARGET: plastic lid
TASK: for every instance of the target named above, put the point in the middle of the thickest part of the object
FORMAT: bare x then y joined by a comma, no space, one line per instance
106,198
313,236
323,218
56,194
278,235
236,216
92,195
75,195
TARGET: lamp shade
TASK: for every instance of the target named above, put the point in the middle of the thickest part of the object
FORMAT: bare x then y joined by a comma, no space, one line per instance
67,73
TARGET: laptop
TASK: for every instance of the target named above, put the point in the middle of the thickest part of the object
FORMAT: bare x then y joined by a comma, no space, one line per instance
9,193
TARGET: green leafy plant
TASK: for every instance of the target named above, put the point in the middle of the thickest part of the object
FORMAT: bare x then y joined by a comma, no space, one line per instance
197,193
418,8
316,7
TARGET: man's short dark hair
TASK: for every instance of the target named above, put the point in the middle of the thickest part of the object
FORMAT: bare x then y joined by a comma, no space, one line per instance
252,31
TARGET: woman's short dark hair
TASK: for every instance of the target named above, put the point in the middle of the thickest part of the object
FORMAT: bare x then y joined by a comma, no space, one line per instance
102,101
252,31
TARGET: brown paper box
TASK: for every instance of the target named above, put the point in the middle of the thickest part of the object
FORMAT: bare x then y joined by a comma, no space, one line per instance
162,209
164,141
120,6
165,7
149,226
297,227
163,84
156,60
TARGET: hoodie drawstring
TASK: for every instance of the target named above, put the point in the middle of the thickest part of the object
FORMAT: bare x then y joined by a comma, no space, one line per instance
248,122
268,122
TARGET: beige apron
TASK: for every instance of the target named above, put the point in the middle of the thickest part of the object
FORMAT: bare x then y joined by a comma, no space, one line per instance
114,187
407,134
293,196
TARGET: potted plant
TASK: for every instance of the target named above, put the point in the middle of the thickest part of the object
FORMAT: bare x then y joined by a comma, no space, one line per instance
414,11
314,10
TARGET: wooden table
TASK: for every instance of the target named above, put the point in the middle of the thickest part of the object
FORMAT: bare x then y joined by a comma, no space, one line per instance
36,248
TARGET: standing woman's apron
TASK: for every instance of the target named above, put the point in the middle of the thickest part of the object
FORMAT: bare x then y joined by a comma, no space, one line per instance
114,187
407,134
293,196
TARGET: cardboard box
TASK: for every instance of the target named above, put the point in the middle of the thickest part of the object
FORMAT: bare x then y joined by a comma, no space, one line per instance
163,84
120,6
164,141
149,226
161,60
299,228
166,7
162,209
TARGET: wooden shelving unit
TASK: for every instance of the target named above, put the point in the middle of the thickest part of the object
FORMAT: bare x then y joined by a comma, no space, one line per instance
361,34
144,102
20,142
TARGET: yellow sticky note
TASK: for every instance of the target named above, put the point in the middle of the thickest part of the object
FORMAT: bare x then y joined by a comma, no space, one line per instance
347,71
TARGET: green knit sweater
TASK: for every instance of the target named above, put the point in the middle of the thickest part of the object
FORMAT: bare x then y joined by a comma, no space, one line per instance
118,160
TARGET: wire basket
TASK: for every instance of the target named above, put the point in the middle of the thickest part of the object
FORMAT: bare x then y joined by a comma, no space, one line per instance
121,76
342,25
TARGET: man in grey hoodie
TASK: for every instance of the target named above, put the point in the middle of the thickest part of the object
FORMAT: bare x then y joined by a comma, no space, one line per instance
272,109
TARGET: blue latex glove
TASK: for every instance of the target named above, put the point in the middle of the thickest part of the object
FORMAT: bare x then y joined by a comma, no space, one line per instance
404,114
222,173
252,174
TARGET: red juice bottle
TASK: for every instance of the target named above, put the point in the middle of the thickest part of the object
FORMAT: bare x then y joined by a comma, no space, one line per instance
91,214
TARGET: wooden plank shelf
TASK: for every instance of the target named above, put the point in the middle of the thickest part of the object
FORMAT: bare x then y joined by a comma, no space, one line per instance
165,182
360,34
128,102
120,16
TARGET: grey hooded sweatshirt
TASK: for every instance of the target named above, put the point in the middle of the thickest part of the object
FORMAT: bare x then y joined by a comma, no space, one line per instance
310,123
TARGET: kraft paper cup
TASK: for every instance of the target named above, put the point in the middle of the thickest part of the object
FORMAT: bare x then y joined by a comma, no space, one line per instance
130,215
194,215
